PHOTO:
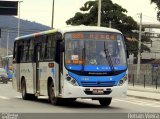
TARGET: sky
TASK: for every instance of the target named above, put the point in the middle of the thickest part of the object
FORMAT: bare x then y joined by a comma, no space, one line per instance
41,10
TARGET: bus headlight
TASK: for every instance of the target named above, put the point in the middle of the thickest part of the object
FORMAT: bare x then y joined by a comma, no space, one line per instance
68,78
122,81
72,81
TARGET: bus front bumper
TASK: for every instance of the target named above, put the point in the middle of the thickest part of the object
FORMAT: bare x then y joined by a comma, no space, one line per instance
71,91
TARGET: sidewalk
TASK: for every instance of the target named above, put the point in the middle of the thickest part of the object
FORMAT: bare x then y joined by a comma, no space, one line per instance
146,93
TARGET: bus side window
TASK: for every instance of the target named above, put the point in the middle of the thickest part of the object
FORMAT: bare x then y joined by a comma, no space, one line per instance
25,51
50,48
31,49
45,48
42,49
15,53
20,50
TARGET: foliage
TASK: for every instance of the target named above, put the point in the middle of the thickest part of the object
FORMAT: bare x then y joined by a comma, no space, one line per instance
157,2
110,12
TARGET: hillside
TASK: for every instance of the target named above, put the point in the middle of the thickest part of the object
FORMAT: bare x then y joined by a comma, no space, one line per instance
10,23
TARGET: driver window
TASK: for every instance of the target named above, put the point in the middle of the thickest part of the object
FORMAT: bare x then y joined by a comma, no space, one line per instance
90,47
77,51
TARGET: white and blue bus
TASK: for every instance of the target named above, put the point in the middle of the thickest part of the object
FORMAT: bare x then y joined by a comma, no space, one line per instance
70,63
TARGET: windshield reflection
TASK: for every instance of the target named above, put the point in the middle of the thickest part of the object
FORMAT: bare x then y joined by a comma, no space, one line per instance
92,52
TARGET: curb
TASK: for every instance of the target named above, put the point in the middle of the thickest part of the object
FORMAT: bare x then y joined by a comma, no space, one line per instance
149,94
142,90
143,97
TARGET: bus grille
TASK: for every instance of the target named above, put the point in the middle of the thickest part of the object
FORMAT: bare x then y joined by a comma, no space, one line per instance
98,84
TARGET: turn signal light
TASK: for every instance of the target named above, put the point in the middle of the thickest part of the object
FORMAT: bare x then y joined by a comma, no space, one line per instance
50,65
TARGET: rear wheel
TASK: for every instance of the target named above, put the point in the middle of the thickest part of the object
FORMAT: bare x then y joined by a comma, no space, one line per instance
25,95
52,98
105,101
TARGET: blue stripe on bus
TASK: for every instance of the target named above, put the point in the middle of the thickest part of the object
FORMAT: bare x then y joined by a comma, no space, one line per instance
52,71
94,68
97,81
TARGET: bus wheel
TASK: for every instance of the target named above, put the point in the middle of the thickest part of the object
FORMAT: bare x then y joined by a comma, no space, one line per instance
25,96
54,100
33,97
105,101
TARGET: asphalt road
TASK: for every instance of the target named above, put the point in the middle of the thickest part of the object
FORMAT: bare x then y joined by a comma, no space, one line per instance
11,102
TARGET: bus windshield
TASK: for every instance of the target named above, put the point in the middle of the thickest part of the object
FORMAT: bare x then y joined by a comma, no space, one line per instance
99,50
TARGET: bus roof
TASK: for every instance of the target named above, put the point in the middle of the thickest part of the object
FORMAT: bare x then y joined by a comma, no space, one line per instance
71,29
86,28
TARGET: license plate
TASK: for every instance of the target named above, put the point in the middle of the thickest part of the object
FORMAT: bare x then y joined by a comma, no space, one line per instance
97,91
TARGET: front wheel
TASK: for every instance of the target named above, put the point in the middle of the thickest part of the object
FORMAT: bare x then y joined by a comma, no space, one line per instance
105,101
25,95
52,98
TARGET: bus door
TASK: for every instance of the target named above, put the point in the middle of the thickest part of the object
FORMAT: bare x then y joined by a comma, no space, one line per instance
59,61
36,82
16,65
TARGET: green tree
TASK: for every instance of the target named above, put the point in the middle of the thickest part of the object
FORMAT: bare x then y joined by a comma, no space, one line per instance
157,2
110,12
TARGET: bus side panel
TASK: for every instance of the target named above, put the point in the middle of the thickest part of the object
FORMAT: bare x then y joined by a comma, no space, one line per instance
26,70
44,73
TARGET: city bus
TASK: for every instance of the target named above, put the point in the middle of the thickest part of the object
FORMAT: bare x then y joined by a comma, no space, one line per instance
86,62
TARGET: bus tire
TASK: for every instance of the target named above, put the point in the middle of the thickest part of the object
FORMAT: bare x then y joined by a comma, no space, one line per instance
54,100
105,101
25,96
32,97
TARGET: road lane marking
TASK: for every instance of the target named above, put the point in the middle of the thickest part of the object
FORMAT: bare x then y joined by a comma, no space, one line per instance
18,96
138,102
3,97
127,100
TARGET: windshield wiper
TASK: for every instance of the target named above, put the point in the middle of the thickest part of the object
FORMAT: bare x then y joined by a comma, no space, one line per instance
108,57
